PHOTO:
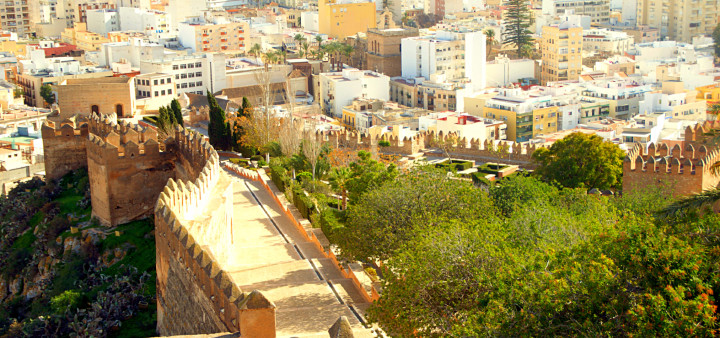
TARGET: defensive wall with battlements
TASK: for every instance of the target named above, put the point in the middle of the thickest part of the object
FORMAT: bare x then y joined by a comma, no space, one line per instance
193,227
471,149
132,176
685,169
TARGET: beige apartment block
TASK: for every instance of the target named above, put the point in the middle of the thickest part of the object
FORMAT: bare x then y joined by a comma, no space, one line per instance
112,95
221,36
561,47
679,20
15,16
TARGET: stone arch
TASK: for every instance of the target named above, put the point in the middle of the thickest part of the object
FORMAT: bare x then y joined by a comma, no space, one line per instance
119,108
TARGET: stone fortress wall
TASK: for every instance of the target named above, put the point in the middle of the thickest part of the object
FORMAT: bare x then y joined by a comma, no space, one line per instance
686,169
470,149
132,176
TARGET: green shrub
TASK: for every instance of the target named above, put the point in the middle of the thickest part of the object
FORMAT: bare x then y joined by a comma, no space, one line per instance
256,157
331,222
241,162
152,119
279,176
303,177
64,301
304,204
457,165
384,143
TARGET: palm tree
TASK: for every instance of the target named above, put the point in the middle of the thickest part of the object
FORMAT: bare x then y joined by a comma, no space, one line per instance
346,50
305,47
318,39
339,178
490,40
255,50
299,39
270,57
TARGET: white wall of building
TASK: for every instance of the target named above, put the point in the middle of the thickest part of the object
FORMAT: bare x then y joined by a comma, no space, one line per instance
103,21
475,57
502,71
310,21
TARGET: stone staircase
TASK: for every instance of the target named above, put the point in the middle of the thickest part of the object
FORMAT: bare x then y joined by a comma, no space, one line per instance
270,254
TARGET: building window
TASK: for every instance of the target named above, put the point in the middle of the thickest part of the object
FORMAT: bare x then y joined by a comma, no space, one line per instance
119,110
198,65
95,109
156,93
162,92
199,84
155,82
175,67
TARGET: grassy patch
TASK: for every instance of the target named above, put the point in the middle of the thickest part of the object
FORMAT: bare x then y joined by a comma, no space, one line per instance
25,241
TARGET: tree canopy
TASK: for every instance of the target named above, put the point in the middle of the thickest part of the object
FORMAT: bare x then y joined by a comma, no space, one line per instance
517,23
581,161
47,94
533,259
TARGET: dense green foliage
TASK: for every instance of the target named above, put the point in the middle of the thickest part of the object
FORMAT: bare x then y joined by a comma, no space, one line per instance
47,94
716,39
531,259
517,23
384,219
177,112
218,128
581,161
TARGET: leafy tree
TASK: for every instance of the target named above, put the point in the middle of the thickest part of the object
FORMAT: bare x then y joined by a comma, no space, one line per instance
368,173
581,161
383,220
165,120
47,94
177,112
217,129
517,22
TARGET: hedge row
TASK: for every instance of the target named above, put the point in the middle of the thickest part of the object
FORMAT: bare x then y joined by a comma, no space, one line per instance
457,165
302,202
331,221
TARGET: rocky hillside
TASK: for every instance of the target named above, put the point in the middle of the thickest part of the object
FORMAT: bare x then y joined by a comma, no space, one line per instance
65,274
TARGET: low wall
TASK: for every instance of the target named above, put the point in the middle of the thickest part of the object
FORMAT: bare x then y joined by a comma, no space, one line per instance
310,236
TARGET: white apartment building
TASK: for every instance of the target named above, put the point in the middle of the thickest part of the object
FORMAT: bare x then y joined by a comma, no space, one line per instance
661,61
597,10
464,125
339,89
624,93
154,24
566,97
445,57
310,21
134,51
675,102
607,41
154,90
503,71
197,73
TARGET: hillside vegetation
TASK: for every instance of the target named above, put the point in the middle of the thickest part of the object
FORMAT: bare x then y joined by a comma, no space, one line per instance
66,275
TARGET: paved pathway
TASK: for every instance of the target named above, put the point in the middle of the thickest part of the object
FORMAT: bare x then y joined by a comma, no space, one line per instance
271,255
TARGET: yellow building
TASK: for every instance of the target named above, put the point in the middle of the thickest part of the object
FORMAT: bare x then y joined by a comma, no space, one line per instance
15,47
526,116
80,37
710,93
561,47
342,19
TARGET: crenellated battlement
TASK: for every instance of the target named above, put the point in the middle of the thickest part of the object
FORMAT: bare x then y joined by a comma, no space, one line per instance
466,148
686,167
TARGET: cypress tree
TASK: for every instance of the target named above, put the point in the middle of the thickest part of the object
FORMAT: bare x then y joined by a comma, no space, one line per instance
177,112
217,129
